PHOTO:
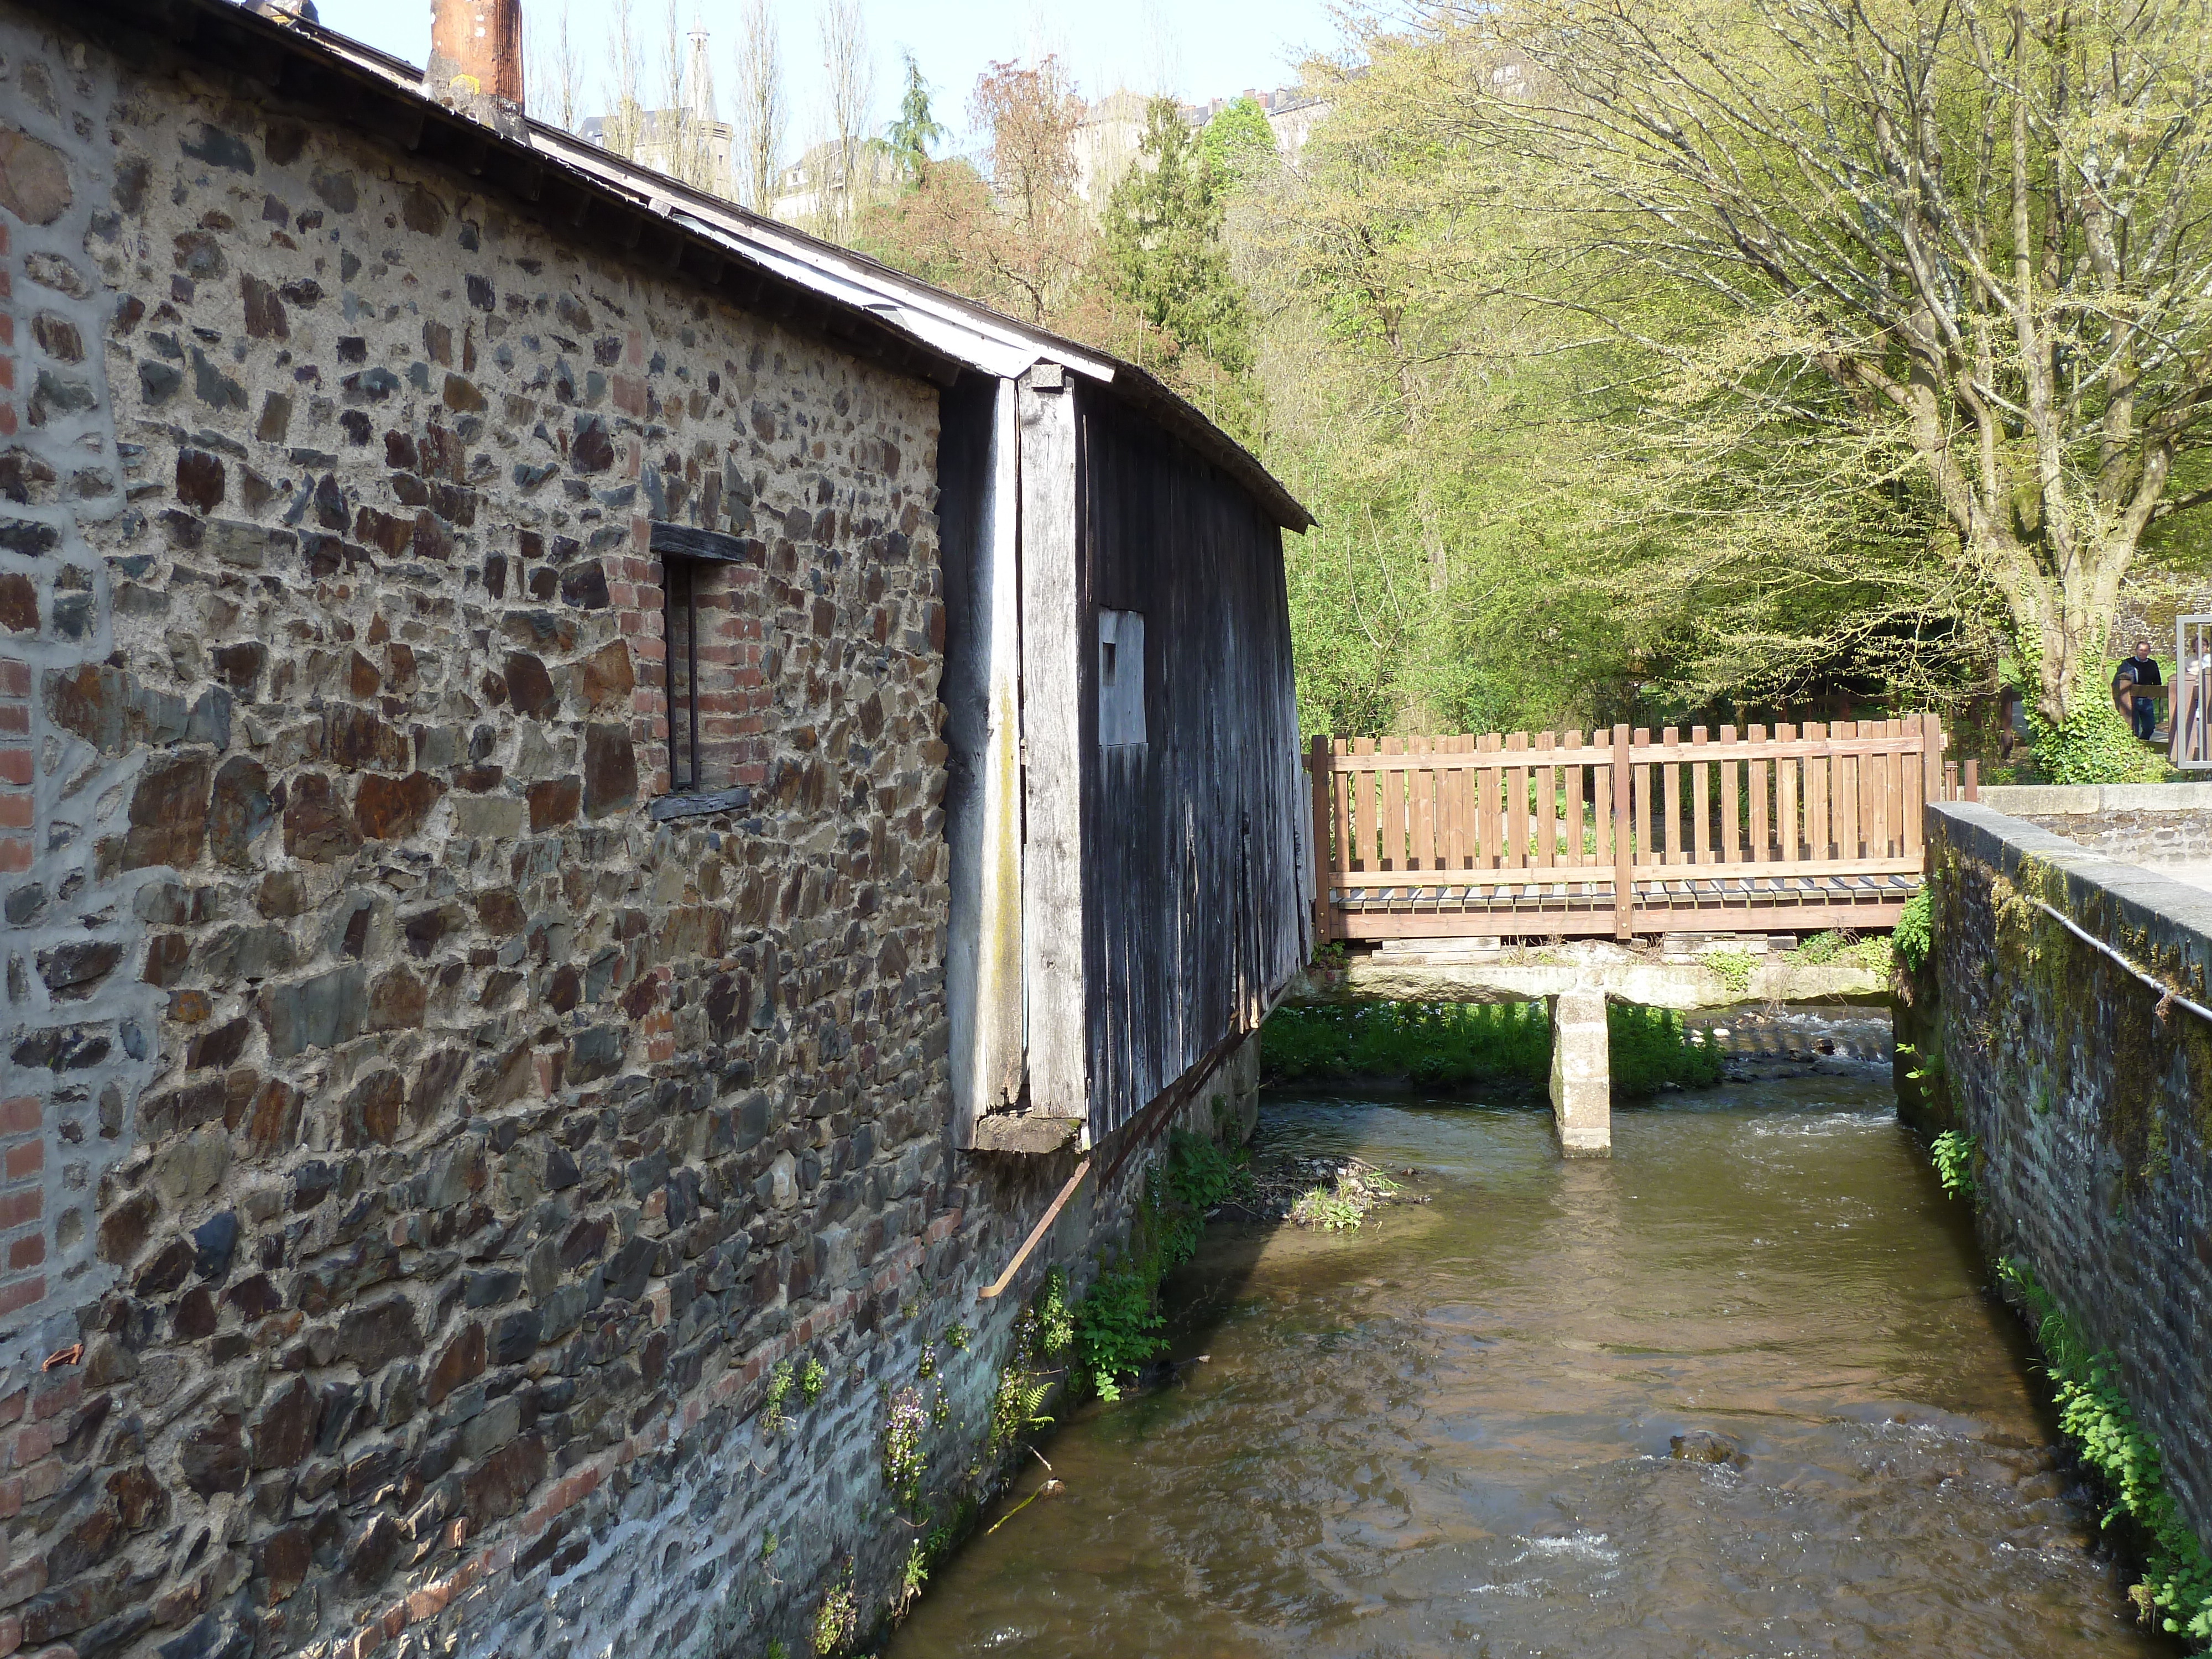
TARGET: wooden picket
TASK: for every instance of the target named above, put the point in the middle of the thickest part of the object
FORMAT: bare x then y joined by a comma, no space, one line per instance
1516,835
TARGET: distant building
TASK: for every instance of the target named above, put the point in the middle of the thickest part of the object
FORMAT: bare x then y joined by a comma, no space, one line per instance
1112,133
1107,142
814,192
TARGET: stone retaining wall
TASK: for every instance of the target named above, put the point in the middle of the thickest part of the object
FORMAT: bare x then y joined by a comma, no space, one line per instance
2088,1094
416,1159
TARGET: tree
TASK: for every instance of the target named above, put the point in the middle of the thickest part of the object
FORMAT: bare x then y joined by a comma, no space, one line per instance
761,112
851,77
917,127
1033,250
1163,238
556,72
622,129
1971,236
1238,138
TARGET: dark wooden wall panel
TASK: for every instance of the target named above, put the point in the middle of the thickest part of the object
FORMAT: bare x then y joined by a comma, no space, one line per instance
1195,898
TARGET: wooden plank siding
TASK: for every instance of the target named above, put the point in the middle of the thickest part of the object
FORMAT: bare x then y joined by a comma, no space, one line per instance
1702,830
1198,858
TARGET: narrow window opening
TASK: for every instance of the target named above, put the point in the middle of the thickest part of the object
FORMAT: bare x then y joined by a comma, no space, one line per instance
680,632
1121,679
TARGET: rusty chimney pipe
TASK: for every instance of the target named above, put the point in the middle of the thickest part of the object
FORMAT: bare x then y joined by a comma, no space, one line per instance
476,60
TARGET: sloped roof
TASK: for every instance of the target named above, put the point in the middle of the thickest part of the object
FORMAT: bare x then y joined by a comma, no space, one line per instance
862,304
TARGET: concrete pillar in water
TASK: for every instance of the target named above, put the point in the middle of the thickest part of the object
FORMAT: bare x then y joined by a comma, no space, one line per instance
1582,1075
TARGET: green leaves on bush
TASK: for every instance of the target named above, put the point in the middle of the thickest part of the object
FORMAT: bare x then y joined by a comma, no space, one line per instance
1952,1155
2095,1415
1915,936
2094,746
1440,1045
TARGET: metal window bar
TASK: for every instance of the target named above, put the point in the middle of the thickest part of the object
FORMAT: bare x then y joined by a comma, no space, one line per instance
680,630
2188,701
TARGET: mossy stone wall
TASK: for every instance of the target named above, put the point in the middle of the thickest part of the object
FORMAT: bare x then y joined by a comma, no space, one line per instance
2089,1093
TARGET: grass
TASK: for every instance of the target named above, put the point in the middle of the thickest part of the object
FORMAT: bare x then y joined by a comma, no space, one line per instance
1444,1045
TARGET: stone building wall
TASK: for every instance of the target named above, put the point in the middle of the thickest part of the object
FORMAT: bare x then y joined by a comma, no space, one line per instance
2092,1103
2135,835
418,1152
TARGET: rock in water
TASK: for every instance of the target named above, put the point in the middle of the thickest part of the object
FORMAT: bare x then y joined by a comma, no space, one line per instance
1704,1446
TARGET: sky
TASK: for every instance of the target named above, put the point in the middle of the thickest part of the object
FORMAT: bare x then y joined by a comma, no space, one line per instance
1196,49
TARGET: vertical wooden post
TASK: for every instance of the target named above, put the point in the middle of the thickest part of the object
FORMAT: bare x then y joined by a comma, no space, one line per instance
1323,910
1623,849
1973,779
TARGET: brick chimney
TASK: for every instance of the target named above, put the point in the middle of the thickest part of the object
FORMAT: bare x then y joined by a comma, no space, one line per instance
476,61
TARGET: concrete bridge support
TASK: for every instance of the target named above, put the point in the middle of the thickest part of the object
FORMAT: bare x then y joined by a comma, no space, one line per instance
1582,1075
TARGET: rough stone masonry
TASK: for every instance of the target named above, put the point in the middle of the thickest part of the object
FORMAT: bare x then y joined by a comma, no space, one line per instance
420,1153
2086,1091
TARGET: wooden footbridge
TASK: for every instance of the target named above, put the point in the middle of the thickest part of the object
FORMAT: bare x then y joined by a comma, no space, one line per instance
1560,835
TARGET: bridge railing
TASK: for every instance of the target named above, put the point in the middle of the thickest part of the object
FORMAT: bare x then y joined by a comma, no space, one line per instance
1520,835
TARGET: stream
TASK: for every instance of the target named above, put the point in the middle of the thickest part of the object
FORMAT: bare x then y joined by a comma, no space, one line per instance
1450,1432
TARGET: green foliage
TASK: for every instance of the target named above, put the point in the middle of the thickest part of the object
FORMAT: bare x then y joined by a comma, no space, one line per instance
1164,256
1434,1044
1238,141
957,1337
1055,1324
812,1383
1822,948
1044,1331
1653,1048
2094,746
1734,968
838,1617
773,1416
1952,1155
1442,1045
1915,936
1118,1328
916,128
1343,1206
1018,1404
2094,1414
905,1423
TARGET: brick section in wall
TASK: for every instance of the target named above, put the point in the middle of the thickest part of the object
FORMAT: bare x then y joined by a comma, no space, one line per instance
23,1203
15,804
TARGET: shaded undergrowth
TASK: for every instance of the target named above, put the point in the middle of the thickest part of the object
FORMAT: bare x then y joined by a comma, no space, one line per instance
1452,1044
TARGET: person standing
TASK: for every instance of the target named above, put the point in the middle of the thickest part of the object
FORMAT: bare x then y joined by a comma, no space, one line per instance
2141,669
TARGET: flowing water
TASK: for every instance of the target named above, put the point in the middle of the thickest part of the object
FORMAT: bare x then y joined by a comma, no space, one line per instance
1451,1434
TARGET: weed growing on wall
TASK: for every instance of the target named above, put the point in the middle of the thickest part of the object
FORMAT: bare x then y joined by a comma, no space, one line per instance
2176,1591
1845,948
1043,1333
1732,968
811,1384
1439,1045
904,1463
1915,934
773,1416
838,1617
1118,1326
1952,1155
